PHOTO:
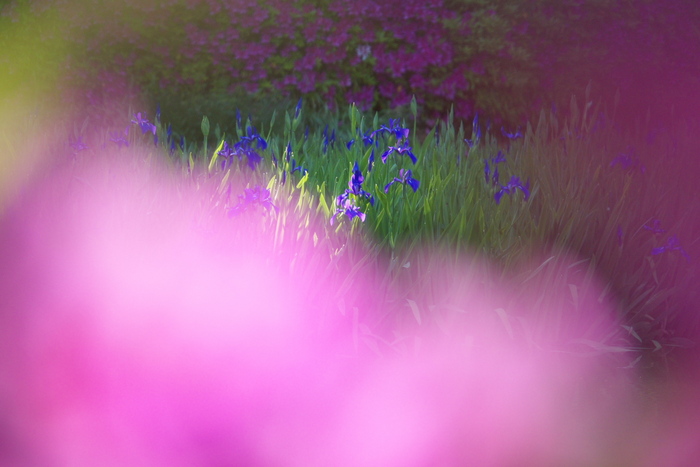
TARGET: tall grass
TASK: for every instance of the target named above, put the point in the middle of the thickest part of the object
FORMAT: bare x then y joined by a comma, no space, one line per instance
594,195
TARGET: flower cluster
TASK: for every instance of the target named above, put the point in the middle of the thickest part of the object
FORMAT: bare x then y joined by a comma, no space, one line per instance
492,177
346,201
247,146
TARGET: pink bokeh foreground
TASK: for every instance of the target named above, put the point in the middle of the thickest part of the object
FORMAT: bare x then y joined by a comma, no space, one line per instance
139,328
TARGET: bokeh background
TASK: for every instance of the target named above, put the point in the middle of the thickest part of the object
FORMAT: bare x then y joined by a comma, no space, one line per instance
505,59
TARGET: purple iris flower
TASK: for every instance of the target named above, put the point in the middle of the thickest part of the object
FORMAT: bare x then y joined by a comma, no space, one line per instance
347,207
120,138
393,128
405,148
500,157
253,197
227,153
253,158
515,135
246,146
77,144
405,177
476,131
671,244
369,139
346,203
655,227
628,160
355,185
296,167
513,185
252,136
144,124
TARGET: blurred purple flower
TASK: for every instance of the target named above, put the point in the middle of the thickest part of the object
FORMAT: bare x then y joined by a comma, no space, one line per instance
227,153
369,139
347,207
405,177
497,159
120,139
252,136
253,197
144,124
655,227
513,185
628,160
77,144
476,133
671,244
508,135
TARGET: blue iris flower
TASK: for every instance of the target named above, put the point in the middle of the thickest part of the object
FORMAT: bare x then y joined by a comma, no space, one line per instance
671,244
476,133
655,227
405,148
144,124
405,177
513,185
394,128
497,159
253,197
628,160
120,139
346,201
515,135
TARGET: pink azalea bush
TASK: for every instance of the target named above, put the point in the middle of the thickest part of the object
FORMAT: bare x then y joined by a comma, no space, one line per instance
504,59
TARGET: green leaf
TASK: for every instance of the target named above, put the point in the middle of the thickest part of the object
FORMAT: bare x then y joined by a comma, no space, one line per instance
303,180
215,156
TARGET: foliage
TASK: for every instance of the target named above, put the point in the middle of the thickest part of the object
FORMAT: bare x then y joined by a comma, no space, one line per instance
501,58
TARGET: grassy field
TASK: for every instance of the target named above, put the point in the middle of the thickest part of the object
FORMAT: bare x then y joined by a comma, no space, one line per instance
564,242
